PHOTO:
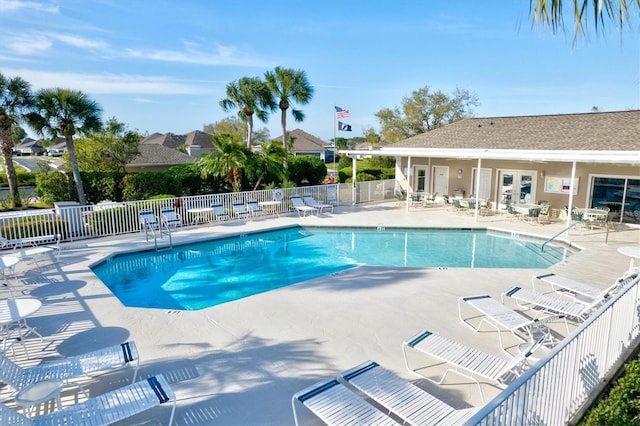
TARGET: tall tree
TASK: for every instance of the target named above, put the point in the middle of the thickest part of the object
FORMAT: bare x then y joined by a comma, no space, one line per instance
250,96
551,13
15,100
111,149
424,110
289,86
66,113
227,160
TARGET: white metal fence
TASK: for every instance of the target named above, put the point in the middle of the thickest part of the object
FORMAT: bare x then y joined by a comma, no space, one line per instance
555,389
71,221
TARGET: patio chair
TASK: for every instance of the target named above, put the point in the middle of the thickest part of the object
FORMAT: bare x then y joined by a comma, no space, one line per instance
545,303
579,291
110,358
410,403
29,241
501,317
544,215
312,202
240,211
301,207
335,404
169,218
119,404
148,220
254,208
218,212
467,361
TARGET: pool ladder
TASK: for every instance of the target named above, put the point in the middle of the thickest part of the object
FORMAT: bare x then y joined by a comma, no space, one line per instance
555,236
155,236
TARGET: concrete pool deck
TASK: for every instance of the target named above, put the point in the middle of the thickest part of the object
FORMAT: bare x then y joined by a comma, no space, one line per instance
239,363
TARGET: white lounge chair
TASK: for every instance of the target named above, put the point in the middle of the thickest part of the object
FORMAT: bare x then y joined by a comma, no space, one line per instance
579,291
240,211
467,361
29,241
501,317
312,202
104,409
169,217
254,208
335,404
546,303
110,358
301,207
402,398
218,212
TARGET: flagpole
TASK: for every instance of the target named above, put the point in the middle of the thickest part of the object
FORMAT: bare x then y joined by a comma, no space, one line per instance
335,144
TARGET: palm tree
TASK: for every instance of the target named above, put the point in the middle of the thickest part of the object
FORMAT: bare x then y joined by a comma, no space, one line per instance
267,163
550,12
15,100
66,113
289,86
251,96
227,160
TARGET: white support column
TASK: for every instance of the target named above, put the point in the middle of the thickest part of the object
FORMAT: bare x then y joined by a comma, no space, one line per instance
353,183
571,183
409,186
476,191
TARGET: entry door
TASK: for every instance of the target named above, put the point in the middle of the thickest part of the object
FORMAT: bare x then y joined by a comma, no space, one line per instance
517,186
441,180
484,191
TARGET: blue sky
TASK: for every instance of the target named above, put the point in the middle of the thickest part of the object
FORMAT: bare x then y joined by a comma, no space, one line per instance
162,66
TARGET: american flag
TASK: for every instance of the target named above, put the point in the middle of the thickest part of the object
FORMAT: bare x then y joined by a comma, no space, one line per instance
342,113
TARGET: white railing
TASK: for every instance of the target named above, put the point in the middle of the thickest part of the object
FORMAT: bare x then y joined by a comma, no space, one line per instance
72,222
556,388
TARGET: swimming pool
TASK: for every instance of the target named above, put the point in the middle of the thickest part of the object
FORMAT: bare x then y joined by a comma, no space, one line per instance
201,275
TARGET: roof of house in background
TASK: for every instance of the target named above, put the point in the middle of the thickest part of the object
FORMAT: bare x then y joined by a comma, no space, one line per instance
200,138
27,143
169,140
606,131
158,155
304,141
196,137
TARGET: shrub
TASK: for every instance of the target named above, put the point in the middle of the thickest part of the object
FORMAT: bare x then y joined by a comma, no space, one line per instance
144,185
55,186
306,170
100,186
622,405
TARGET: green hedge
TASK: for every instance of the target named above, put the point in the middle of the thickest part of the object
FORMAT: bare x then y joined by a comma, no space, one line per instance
622,405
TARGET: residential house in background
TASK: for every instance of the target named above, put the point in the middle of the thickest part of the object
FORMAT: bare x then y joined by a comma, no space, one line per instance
28,146
307,144
194,143
156,158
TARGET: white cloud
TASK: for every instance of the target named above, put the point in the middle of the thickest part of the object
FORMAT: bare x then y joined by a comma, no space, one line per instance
111,83
195,54
79,41
13,5
29,44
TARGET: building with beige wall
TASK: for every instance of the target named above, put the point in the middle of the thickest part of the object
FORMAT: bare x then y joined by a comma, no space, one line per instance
570,160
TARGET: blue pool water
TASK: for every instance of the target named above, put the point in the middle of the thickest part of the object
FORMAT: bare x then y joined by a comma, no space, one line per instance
201,275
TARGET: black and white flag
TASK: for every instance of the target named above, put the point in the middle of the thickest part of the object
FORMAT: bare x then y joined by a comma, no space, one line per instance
344,127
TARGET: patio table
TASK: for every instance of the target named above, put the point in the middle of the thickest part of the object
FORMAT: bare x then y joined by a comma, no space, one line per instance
271,207
200,215
632,251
